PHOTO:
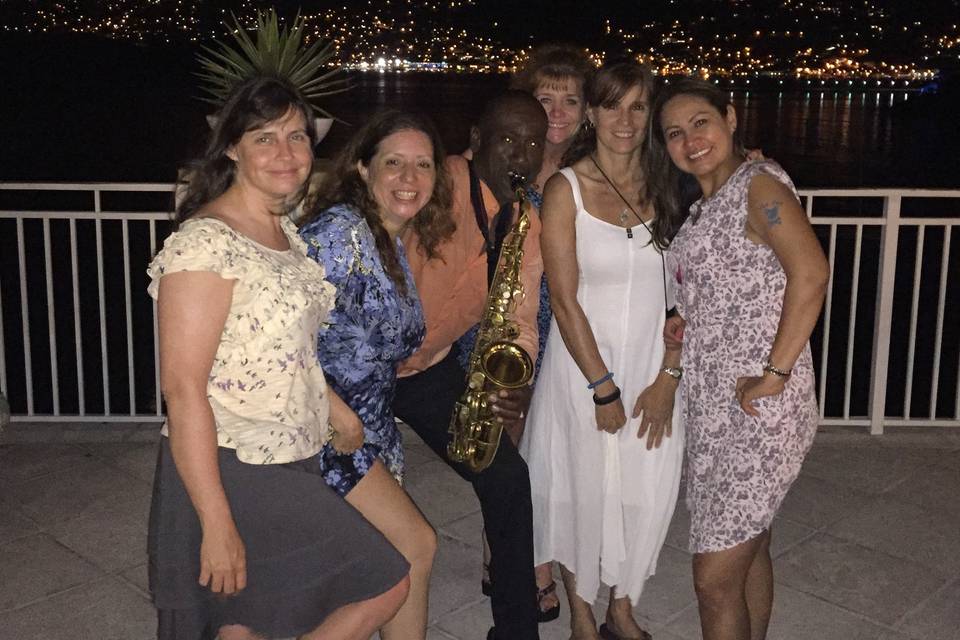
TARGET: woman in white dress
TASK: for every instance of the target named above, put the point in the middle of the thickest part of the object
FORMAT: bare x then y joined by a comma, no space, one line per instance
604,484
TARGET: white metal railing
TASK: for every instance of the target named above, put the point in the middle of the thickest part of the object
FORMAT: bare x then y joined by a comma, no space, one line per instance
126,387
891,223
84,326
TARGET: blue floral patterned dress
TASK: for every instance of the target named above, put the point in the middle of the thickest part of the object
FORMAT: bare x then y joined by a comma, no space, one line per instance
372,327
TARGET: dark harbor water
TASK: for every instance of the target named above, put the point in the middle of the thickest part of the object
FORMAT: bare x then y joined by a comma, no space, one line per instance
92,110
823,139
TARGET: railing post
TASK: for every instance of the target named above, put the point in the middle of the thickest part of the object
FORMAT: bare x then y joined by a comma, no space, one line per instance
4,413
889,237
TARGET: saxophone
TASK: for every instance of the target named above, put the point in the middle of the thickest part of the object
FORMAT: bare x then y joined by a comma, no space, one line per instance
496,362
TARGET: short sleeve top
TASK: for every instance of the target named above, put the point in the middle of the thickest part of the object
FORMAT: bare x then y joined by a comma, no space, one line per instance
266,388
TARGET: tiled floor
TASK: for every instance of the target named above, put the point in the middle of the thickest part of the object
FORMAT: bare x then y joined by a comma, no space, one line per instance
867,545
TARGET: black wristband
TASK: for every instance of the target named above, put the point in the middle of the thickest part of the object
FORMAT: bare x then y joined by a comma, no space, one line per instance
613,397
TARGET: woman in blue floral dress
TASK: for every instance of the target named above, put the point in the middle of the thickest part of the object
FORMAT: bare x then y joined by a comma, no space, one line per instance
388,177
373,326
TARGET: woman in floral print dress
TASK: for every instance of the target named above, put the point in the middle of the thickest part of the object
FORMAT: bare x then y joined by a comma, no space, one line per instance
388,177
751,279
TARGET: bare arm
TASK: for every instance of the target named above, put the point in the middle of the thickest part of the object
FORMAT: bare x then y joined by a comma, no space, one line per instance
673,332
192,308
347,427
775,218
558,243
655,403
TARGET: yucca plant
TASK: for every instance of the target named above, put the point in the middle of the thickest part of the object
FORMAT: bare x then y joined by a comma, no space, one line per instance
278,52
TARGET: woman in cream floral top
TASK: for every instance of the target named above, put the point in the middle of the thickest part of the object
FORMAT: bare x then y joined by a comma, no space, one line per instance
264,371
238,510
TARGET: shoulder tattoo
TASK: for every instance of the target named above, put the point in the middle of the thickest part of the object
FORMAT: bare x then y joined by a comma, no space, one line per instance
771,210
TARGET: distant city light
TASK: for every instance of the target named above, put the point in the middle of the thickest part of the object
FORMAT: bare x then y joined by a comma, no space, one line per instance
393,36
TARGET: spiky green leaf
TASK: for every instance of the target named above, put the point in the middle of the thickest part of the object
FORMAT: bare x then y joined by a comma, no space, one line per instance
276,50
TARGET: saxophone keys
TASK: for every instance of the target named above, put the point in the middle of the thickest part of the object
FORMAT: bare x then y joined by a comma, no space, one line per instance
477,381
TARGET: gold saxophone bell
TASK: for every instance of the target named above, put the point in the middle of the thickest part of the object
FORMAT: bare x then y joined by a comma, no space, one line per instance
496,362
506,365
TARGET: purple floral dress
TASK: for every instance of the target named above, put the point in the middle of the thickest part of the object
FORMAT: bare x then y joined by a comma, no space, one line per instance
730,292
372,327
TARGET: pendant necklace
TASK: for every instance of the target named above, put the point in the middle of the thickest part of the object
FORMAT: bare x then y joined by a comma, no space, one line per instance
629,208
623,220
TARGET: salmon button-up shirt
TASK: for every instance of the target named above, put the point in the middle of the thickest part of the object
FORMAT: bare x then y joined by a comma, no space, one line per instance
453,286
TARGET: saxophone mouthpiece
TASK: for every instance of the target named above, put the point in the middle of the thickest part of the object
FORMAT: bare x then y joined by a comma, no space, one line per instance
517,180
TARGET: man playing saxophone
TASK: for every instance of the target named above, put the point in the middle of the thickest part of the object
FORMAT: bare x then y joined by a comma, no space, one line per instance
508,138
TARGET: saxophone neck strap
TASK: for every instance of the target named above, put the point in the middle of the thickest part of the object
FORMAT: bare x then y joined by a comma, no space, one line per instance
492,242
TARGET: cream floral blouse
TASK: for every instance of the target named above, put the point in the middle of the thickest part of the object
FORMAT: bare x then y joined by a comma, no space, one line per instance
266,387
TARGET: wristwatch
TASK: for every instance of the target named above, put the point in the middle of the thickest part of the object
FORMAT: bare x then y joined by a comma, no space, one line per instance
780,373
674,372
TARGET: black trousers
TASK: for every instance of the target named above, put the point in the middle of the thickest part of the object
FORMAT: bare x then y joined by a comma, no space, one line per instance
425,401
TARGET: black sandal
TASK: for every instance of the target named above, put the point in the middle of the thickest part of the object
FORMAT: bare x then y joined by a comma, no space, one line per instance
547,615
543,615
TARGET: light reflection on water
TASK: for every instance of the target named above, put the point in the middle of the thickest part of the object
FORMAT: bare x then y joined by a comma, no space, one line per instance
823,138
125,131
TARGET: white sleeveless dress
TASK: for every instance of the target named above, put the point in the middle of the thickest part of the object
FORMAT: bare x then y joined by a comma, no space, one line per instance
602,503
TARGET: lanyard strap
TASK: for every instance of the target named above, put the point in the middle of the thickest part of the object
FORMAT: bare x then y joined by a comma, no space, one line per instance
501,225
663,265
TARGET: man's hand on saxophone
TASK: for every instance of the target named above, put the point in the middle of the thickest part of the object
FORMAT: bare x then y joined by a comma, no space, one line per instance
511,406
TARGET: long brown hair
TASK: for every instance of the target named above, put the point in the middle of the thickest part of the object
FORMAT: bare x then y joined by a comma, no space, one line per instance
604,88
432,224
252,104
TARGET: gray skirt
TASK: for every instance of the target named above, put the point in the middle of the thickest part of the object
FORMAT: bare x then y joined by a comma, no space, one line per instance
308,552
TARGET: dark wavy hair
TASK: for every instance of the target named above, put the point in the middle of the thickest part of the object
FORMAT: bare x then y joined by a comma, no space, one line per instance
553,61
675,190
432,224
603,89
252,104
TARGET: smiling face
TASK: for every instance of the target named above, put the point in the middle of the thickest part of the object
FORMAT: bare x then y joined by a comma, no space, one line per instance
562,99
400,176
510,139
275,158
697,136
622,126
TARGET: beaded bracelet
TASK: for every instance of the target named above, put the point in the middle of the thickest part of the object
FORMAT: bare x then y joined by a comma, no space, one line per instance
613,397
599,381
